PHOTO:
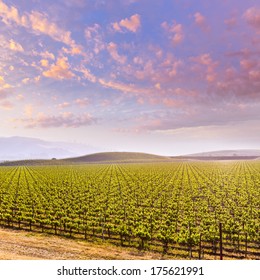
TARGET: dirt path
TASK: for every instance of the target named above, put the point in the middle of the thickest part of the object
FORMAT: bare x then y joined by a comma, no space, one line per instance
22,245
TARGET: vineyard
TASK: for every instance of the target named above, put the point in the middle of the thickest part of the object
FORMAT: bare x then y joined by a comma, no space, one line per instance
184,210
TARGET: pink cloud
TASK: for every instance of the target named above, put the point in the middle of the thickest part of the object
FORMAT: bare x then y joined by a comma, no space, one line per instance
241,84
147,71
200,20
14,46
66,119
205,59
60,70
3,84
20,97
175,32
252,16
87,74
4,93
44,63
170,102
81,102
25,81
41,24
131,88
28,110
254,75
248,63
94,36
6,105
231,22
194,116
64,105
11,14
74,50
132,24
37,22
47,55
112,49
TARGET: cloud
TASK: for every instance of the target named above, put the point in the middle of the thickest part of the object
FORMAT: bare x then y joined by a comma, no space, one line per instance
28,110
122,87
14,46
6,105
205,59
41,24
38,23
87,74
81,102
11,45
175,32
188,117
19,97
200,20
60,70
5,93
25,81
230,22
11,14
170,102
75,50
44,63
112,49
3,84
254,75
248,63
94,38
66,119
63,105
252,16
47,55
132,24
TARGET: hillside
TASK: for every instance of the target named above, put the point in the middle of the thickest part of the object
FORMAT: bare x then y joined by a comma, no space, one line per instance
131,157
117,157
108,157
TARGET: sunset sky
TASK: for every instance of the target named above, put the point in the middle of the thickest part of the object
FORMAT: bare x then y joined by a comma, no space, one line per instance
166,77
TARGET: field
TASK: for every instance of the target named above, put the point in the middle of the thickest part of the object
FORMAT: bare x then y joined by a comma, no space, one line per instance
183,210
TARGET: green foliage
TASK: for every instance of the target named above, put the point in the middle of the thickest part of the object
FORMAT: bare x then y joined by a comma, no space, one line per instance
169,202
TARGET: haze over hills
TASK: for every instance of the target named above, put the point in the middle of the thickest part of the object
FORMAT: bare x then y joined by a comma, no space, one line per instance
243,154
20,148
25,150
227,153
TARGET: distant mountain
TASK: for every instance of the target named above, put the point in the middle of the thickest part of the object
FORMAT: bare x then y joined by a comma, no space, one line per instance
17,148
224,155
31,151
227,153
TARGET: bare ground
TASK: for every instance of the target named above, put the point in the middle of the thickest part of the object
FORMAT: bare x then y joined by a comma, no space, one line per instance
23,245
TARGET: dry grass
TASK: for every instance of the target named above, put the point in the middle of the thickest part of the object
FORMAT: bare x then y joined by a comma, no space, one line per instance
23,245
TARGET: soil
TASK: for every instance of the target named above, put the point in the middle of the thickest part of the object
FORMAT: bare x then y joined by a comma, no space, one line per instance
24,245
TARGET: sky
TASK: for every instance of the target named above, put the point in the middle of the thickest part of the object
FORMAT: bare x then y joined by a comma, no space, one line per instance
166,77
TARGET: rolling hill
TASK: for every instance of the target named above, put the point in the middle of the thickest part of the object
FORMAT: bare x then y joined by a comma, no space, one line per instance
106,157
117,157
131,157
